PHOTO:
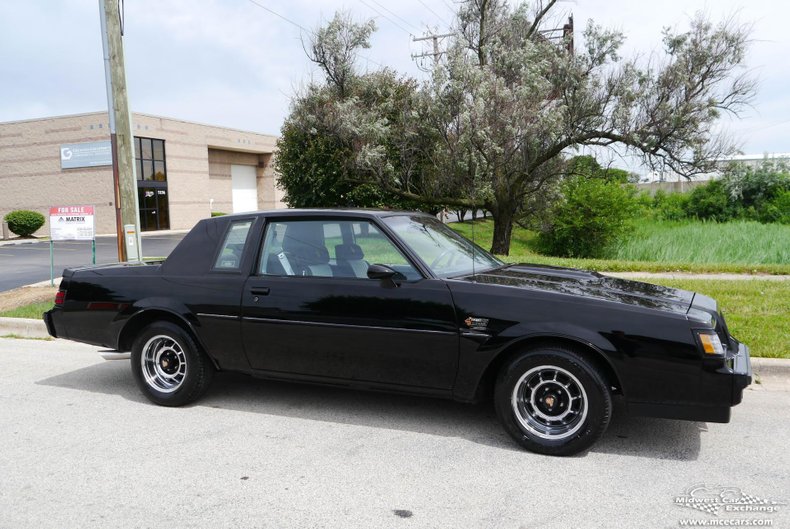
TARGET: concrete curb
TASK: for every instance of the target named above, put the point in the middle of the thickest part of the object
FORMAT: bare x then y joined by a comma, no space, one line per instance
23,328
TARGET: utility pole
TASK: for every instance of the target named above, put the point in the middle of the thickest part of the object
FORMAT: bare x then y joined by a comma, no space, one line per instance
127,212
436,51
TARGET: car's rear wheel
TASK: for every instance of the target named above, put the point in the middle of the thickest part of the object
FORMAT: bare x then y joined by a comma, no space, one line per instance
168,366
552,400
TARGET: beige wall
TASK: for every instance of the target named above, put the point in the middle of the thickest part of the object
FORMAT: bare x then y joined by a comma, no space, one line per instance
198,161
670,187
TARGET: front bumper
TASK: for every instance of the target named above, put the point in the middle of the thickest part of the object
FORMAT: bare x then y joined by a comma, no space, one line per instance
741,366
720,388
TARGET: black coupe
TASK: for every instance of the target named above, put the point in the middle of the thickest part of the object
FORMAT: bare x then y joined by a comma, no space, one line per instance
396,301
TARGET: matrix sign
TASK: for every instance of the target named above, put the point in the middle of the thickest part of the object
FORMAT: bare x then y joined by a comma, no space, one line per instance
71,223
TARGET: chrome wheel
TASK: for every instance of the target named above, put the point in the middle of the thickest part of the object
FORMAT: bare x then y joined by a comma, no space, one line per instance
549,402
164,363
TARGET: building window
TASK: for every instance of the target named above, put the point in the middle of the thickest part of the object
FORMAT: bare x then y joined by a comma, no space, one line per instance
149,154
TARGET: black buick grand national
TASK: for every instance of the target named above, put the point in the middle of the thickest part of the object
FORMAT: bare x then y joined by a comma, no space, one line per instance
396,301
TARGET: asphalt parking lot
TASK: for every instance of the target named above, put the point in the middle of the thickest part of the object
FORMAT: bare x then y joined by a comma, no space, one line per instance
23,264
82,448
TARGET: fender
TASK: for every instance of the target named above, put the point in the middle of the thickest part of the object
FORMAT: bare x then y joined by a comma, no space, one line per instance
176,309
478,359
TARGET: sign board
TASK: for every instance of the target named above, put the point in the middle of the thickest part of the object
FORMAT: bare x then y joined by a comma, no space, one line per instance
71,223
91,154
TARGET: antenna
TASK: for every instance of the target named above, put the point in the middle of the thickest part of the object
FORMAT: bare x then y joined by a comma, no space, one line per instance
474,247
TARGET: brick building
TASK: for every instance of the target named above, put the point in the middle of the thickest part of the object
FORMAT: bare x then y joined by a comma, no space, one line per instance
184,170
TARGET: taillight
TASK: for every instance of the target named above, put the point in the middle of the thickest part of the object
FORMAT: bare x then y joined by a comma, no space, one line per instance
60,297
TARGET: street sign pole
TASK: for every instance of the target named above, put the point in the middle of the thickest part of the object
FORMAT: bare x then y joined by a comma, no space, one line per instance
51,263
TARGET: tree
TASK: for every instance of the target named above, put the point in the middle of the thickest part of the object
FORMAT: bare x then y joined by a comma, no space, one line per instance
505,104
322,160
526,100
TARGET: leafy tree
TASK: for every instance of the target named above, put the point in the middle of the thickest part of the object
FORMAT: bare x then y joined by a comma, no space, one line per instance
504,104
321,160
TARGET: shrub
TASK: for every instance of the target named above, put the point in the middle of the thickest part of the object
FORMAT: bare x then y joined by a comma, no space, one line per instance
753,187
218,213
24,222
670,206
712,201
777,209
592,215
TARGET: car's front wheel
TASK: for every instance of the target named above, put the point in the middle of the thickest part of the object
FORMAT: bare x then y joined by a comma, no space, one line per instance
552,400
168,366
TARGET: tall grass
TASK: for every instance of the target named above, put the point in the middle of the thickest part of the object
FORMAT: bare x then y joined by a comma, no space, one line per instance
713,241
738,242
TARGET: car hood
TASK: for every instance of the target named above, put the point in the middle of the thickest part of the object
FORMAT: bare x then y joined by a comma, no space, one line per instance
582,283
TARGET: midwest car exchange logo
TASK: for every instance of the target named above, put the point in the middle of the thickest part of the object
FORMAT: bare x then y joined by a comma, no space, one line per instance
725,500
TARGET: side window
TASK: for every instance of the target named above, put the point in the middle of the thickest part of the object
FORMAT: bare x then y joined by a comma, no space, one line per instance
232,249
378,249
331,248
295,248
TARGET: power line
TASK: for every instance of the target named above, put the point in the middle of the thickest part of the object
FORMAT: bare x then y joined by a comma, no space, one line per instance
451,8
432,11
386,17
275,13
394,14
302,28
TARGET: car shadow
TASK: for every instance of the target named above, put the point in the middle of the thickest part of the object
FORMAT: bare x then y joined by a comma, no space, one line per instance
633,436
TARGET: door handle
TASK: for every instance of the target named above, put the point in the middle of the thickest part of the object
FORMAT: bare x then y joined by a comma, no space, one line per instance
260,291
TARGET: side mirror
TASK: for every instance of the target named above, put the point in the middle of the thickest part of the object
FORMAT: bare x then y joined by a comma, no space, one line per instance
379,271
385,274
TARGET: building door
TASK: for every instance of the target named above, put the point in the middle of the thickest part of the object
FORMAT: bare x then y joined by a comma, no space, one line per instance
244,184
154,213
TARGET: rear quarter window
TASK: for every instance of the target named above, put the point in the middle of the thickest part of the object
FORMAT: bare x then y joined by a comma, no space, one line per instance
232,249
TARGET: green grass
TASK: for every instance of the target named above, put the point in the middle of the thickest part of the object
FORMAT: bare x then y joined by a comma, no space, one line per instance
739,242
757,312
523,249
33,311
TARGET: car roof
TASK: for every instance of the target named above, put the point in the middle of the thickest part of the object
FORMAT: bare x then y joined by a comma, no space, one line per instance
327,212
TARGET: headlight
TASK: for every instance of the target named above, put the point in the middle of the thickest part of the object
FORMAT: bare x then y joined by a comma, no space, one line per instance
710,342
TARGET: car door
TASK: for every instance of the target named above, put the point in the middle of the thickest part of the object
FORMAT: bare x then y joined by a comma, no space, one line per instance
310,309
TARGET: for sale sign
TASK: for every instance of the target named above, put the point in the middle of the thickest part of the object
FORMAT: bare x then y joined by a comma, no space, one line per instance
71,223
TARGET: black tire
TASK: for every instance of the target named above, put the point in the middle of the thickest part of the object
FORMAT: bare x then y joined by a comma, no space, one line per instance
182,372
558,417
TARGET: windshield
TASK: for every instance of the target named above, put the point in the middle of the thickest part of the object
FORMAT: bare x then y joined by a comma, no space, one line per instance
443,250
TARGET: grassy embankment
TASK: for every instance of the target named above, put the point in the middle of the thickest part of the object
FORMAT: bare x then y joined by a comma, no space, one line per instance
757,312
695,247
34,311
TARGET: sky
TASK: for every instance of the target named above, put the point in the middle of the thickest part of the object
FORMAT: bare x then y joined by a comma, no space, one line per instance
235,63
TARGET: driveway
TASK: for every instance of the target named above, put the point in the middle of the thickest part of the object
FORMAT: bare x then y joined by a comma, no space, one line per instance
23,264
82,448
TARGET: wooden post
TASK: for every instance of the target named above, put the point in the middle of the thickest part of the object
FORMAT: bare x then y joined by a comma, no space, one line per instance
126,206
